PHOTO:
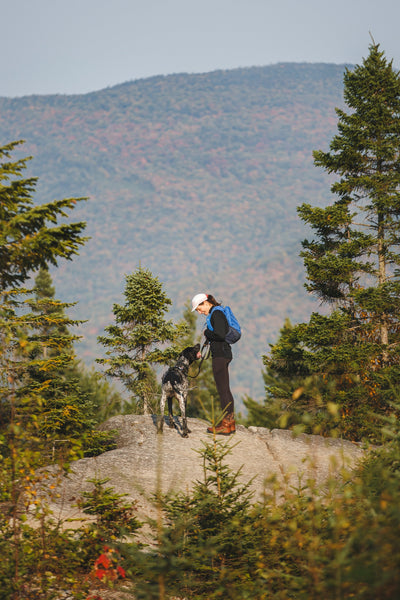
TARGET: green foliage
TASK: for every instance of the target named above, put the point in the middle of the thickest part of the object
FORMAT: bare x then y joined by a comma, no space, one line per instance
340,541
35,343
44,418
134,343
35,395
44,559
359,233
349,356
29,539
299,541
201,543
105,400
72,400
30,236
115,520
101,399
284,377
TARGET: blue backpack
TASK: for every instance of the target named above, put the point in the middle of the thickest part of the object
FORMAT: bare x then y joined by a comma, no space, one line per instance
234,331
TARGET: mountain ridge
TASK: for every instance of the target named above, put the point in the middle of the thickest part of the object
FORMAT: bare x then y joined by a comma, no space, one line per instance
196,177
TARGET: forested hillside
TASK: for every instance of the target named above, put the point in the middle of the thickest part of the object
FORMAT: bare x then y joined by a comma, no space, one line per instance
195,177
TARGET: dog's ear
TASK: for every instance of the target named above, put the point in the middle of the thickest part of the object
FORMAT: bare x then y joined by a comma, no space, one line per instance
196,347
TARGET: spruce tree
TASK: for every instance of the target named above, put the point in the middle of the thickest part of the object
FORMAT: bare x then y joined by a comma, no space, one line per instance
71,399
45,303
285,377
103,399
43,416
353,262
31,235
201,550
135,344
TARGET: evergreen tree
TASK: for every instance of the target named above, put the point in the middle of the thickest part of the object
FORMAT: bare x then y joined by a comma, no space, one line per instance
296,397
284,377
43,416
30,235
201,551
71,398
135,342
105,401
353,264
45,304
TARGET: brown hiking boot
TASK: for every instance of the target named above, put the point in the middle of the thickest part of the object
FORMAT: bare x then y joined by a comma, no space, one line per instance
224,428
231,422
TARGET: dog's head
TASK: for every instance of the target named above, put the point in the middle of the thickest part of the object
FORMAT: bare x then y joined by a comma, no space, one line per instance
191,353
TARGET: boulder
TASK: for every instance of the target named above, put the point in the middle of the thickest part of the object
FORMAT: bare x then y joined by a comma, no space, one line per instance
145,461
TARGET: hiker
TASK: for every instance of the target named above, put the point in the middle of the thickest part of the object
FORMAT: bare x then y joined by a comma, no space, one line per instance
221,354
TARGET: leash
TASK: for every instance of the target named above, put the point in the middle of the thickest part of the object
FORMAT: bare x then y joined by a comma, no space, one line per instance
203,357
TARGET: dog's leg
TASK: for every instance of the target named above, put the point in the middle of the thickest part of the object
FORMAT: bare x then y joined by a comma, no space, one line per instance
160,420
182,406
188,430
171,421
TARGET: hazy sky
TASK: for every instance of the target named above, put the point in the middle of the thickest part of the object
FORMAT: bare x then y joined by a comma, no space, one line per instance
78,46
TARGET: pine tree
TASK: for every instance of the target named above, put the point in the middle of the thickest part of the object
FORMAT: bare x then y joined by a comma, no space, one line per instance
103,399
353,264
43,415
71,400
285,378
45,303
201,551
135,342
30,235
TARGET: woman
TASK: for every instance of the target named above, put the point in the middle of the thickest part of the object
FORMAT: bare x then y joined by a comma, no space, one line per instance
221,354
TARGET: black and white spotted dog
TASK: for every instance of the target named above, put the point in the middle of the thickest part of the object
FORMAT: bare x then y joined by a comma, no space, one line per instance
175,384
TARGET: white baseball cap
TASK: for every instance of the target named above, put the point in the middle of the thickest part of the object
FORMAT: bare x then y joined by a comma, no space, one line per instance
198,299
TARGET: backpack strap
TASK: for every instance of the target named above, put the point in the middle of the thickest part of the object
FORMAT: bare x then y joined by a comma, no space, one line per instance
208,319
